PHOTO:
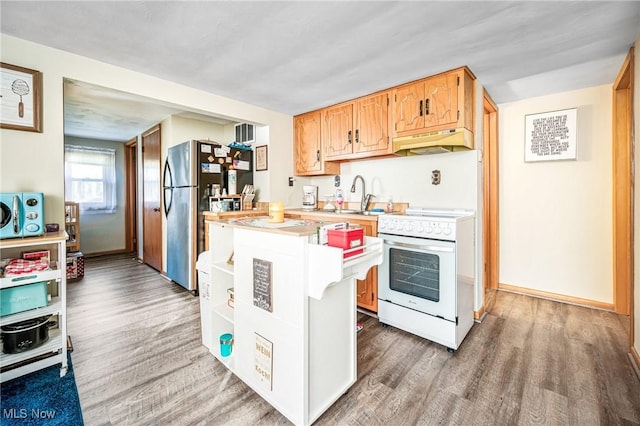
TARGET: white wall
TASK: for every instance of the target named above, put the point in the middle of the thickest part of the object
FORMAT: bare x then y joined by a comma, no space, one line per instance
19,148
99,232
407,179
555,216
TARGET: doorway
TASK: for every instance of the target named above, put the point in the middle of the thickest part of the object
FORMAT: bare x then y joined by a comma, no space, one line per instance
490,225
623,202
131,178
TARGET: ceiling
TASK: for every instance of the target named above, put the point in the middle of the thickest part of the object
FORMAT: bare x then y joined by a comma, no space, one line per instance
296,56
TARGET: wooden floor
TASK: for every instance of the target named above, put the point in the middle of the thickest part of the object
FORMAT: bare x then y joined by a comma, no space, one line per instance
138,360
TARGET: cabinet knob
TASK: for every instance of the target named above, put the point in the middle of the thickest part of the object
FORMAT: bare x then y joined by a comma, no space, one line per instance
156,209
420,107
426,107
349,136
357,136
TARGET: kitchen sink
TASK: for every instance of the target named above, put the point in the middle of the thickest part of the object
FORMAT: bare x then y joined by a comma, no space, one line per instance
349,211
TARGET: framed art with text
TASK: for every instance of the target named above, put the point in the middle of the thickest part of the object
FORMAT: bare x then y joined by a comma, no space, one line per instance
261,158
20,98
551,135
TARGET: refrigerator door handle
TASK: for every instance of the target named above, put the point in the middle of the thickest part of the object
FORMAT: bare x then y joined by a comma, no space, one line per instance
167,206
168,186
167,174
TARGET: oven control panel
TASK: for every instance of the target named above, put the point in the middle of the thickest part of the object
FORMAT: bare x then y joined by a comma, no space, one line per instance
418,226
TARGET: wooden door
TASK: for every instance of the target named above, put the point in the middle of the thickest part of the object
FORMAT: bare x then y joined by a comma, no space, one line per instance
307,142
409,107
151,199
371,134
441,101
338,137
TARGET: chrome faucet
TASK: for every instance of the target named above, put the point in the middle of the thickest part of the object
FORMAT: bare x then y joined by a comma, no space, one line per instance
365,199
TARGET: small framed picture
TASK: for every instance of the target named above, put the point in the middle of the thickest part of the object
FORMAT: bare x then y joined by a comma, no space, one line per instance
20,98
261,158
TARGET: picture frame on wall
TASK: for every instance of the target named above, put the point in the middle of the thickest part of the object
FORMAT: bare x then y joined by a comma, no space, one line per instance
551,135
21,98
261,158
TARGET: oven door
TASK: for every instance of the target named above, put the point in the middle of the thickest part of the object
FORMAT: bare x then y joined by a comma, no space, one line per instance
419,274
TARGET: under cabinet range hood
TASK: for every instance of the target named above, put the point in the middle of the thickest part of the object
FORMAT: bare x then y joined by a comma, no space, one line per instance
434,142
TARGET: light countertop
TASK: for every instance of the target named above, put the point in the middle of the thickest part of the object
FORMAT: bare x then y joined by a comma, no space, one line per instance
293,227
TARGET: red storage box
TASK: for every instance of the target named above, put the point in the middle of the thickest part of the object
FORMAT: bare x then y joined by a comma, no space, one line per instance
347,239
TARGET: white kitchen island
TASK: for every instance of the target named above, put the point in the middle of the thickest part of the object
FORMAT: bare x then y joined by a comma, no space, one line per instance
294,315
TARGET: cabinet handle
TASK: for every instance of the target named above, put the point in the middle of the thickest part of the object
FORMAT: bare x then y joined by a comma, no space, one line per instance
349,136
318,155
357,136
420,107
426,107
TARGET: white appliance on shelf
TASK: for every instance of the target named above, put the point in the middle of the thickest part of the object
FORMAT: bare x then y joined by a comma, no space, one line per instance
427,277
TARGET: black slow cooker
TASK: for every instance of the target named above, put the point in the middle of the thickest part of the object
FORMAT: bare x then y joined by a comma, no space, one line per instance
22,336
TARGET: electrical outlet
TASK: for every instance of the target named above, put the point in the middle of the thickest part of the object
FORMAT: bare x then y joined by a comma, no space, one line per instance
435,177
291,181
336,181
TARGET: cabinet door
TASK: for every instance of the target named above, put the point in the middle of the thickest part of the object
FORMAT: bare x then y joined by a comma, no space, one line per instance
338,130
308,157
409,107
307,142
441,101
367,289
371,122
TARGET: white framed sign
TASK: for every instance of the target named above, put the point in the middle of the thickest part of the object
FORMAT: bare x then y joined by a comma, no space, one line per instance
263,361
551,135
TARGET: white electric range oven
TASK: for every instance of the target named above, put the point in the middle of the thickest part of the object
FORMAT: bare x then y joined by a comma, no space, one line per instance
427,277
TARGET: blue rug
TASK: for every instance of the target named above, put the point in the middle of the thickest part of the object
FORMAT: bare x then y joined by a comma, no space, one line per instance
41,398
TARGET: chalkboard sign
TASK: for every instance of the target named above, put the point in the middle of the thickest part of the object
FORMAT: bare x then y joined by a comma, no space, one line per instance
262,284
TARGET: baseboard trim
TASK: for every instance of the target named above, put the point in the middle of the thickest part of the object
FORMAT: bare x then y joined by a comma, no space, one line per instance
478,315
106,253
557,297
635,360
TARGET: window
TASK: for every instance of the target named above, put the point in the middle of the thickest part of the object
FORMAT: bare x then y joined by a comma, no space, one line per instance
90,178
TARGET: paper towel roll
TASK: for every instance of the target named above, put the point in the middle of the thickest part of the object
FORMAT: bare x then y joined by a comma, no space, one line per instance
233,179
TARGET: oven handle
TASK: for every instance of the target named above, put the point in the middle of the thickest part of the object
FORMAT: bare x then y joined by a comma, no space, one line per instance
415,246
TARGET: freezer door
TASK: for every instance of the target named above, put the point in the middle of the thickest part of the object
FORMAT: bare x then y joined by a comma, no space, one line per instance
181,169
180,237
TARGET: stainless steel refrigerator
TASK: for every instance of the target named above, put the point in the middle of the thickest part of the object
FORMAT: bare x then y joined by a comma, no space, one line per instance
191,168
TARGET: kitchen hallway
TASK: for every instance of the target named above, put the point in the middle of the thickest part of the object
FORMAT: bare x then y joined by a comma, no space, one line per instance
138,360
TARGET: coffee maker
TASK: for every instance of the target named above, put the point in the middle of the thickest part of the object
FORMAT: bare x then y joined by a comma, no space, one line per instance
309,197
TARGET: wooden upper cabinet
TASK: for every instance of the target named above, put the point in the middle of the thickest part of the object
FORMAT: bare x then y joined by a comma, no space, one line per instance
357,129
363,127
440,102
308,153
338,130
